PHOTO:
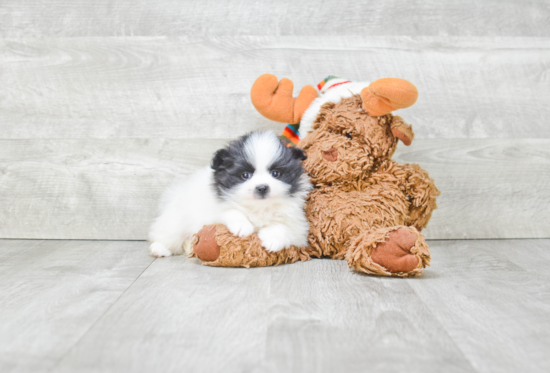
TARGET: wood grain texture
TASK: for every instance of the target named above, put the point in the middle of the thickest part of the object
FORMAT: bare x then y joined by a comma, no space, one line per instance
90,189
286,17
52,292
325,318
484,291
109,189
198,87
489,188
181,316
311,317
480,308
515,252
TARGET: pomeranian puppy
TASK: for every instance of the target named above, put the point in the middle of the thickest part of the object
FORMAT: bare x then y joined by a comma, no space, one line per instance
255,184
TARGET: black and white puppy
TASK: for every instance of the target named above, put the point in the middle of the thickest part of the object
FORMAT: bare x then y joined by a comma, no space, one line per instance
255,184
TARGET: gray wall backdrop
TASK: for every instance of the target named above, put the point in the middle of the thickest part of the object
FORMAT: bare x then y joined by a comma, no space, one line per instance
103,103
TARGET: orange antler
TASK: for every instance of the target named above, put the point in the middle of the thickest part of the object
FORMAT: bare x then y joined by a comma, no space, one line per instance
386,95
273,99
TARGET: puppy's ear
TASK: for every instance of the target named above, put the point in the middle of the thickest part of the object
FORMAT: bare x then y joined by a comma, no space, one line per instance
299,154
218,159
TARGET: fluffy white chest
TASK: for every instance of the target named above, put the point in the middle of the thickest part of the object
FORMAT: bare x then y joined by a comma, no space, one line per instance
262,215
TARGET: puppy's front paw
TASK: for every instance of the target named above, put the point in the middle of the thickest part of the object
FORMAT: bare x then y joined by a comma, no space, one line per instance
240,227
273,239
158,250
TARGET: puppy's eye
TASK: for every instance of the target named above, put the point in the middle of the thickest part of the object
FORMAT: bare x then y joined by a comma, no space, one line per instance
246,175
349,135
275,174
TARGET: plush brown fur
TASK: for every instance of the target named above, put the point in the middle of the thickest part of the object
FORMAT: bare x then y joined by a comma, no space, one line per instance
365,208
241,252
363,195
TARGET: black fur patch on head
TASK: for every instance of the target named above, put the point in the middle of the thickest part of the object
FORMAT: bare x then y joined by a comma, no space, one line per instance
229,164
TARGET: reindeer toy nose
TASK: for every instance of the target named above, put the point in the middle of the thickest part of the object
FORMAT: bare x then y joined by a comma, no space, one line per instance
330,155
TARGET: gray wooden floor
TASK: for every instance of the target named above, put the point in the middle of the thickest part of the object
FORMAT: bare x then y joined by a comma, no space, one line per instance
107,306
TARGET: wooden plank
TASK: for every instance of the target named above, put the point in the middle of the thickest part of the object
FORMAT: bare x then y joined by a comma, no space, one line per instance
180,316
327,319
489,188
198,87
315,316
52,292
109,189
494,310
238,17
90,189
83,306
319,317
531,255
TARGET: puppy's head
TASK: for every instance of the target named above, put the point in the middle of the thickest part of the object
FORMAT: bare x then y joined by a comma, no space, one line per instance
256,167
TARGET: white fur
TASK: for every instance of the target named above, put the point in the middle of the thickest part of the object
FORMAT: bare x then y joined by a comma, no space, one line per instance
335,94
186,207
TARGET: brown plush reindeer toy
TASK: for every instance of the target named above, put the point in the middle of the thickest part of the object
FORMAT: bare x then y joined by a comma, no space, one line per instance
364,208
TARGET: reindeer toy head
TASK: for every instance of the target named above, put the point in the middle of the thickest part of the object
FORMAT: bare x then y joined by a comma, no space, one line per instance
365,208
348,128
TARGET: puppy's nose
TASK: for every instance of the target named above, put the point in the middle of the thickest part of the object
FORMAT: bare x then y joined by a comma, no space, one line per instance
330,155
262,190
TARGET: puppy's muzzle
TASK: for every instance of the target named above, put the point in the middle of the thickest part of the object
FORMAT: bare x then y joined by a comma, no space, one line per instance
261,191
